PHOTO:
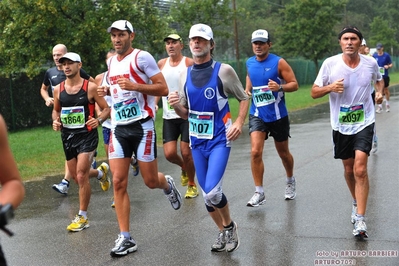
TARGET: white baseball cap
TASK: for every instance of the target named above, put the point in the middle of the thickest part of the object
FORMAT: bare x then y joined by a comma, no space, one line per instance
121,25
363,42
70,56
201,30
260,36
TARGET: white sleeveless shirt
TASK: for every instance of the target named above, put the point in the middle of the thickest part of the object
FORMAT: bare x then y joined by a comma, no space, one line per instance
172,77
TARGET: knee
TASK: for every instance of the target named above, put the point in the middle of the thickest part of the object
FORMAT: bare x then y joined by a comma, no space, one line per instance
151,183
360,173
187,157
256,154
216,198
170,156
119,182
80,177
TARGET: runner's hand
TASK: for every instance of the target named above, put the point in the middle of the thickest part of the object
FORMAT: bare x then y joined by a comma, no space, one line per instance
102,91
57,124
49,101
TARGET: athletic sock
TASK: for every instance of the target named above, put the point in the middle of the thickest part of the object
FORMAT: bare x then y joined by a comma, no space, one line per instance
83,213
229,226
259,189
359,217
290,180
100,174
126,235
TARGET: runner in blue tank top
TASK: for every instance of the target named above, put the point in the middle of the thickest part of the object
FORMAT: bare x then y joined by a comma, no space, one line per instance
268,78
203,92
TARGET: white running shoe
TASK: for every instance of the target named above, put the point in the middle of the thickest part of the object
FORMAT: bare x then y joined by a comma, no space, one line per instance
174,195
123,246
62,187
256,200
290,191
360,229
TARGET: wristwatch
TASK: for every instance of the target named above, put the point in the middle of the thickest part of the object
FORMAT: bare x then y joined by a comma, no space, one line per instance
281,88
100,120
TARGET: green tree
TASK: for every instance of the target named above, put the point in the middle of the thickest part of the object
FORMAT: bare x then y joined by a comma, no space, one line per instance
31,28
218,14
307,28
383,33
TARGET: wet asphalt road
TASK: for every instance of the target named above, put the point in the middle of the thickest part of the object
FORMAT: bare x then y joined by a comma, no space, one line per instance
314,228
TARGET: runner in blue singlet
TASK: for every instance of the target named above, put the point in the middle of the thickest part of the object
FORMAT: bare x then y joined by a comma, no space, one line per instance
203,92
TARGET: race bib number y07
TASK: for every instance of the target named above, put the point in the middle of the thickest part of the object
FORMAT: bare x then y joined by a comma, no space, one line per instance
201,124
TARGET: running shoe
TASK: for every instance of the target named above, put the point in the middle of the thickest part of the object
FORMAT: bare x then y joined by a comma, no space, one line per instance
174,195
123,246
256,200
387,108
192,192
220,243
232,240
78,224
113,204
353,215
62,187
378,110
290,191
135,166
184,178
105,180
360,229
374,148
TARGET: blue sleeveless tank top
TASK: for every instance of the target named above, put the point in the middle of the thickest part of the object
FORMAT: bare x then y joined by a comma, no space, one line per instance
209,112
267,105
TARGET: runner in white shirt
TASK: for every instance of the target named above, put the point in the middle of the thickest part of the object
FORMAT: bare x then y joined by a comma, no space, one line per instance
347,78
101,79
135,80
173,125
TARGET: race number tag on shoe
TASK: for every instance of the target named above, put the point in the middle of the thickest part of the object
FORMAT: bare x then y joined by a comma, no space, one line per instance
262,96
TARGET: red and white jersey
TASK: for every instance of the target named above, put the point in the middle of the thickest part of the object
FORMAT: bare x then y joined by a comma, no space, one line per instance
130,106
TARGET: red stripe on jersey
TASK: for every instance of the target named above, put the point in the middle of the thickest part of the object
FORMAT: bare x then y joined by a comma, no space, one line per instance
139,80
62,86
